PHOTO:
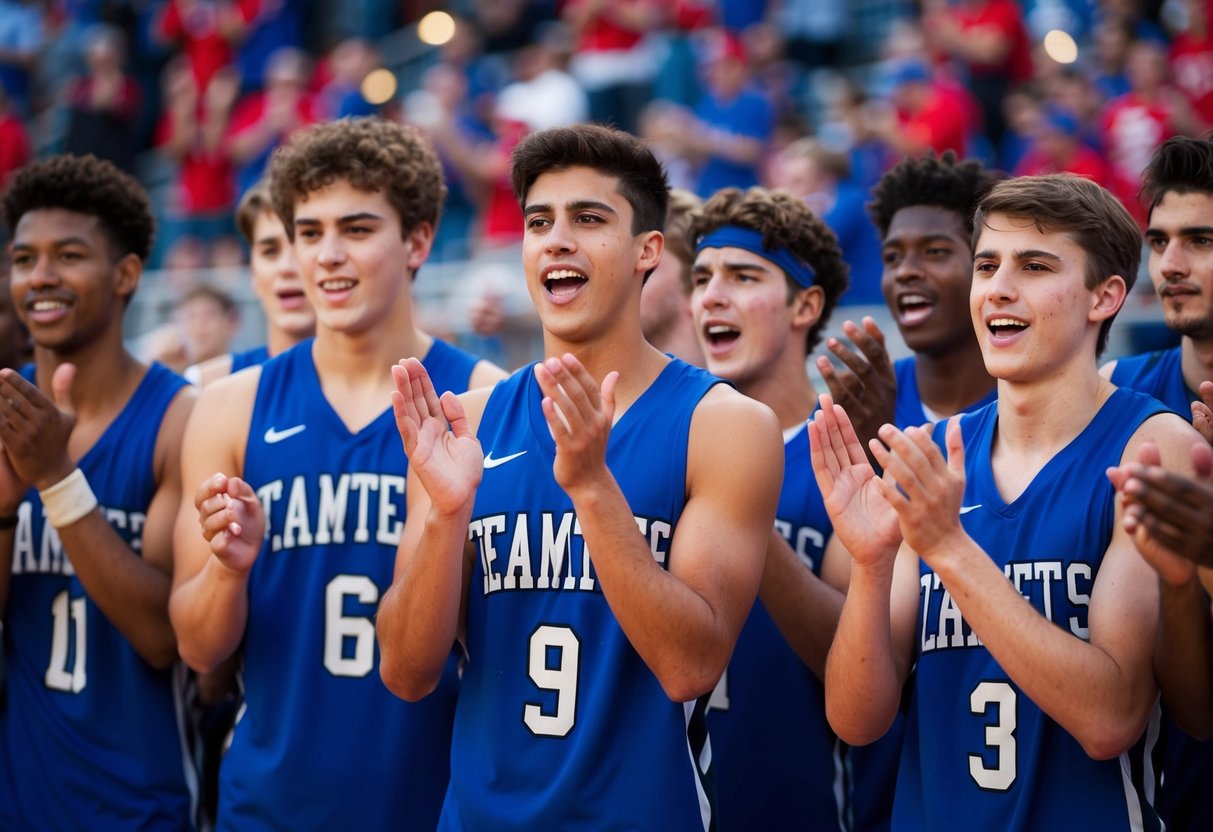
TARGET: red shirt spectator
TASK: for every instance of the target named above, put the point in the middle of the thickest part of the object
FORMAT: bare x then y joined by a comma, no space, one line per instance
14,145
1132,129
207,30
1191,60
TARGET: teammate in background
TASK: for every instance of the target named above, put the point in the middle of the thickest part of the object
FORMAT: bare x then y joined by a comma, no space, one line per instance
89,489
1178,189
665,307
300,525
289,318
1019,715
597,603
767,274
923,209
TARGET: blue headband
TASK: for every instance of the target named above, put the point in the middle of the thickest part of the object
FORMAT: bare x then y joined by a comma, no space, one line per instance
734,236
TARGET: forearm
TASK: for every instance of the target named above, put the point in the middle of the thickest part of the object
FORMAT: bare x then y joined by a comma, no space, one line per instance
1077,683
683,640
132,593
418,619
862,678
804,607
209,612
1183,657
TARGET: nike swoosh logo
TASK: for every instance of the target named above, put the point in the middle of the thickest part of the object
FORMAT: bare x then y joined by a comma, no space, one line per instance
489,462
273,437
967,509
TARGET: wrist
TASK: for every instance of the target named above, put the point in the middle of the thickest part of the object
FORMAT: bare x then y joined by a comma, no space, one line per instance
68,500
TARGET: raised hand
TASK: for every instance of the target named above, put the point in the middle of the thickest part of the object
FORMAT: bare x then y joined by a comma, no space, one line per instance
1202,411
579,413
232,520
449,462
34,429
867,389
1169,516
922,487
862,517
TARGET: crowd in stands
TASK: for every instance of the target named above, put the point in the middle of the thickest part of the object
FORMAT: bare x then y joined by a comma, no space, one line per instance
817,96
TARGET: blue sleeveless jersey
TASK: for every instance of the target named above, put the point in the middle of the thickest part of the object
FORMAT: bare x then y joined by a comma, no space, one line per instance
979,754
1185,800
908,410
777,764
1157,374
91,738
560,723
249,358
320,743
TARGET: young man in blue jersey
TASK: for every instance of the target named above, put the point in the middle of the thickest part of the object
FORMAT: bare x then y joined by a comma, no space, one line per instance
289,317
1178,184
597,589
766,276
665,306
923,209
299,527
1019,715
89,491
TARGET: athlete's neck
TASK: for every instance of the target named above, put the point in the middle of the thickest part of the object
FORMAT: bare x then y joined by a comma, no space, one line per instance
952,381
1196,361
106,376
1038,419
789,393
680,341
279,341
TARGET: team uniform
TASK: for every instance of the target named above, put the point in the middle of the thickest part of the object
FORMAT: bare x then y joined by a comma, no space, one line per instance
978,753
777,763
1185,800
320,743
909,411
560,723
91,737
249,358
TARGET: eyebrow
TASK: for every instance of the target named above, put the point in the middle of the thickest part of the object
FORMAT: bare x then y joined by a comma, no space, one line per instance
576,205
1189,231
925,238
737,266
65,241
1026,254
362,216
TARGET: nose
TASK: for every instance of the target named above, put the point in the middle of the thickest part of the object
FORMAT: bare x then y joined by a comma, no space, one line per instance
40,274
559,238
712,294
998,286
331,253
907,267
1172,262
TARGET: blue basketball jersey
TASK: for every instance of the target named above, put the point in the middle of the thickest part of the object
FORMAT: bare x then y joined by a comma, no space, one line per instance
1185,800
320,743
560,723
777,764
91,737
979,754
1157,374
249,358
908,410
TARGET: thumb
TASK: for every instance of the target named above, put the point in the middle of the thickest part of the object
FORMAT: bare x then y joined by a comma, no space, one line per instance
61,388
608,394
956,447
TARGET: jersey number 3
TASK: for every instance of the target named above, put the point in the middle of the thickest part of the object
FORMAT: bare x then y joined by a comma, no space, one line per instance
552,663
1000,735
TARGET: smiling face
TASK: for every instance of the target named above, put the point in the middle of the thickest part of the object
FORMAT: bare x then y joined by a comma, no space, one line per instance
1180,239
584,267
356,268
276,280
928,267
747,325
1030,306
65,287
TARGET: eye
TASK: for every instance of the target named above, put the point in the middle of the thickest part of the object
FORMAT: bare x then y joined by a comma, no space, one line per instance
938,251
1157,243
306,234
588,218
1202,241
537,222
700,279
890,258
984,267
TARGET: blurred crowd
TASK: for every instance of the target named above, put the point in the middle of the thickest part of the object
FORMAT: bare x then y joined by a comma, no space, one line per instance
815,96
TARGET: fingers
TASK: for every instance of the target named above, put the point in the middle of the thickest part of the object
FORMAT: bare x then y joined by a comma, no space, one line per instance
1148,454
870,340
1202,461
208,488
845,386
573,391
954,440
452,408
1202,420
855,364
61,387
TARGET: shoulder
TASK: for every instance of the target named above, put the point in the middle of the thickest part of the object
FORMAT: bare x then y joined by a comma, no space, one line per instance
1171,434
209,371
726,418
225,407
485,374
474,402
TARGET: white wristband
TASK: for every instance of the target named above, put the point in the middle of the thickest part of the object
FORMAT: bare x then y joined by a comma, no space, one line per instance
68,500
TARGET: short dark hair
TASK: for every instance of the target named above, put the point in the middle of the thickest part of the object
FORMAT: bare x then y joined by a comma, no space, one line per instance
1181,164
1081,209
254,203
85,185
784,222
373,155
679,244
209,291
612,152
941,182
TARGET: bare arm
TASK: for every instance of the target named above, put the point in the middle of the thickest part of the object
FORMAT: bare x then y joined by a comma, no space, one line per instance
683,622
805,607
219,528
131,591
422,614
1100,690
